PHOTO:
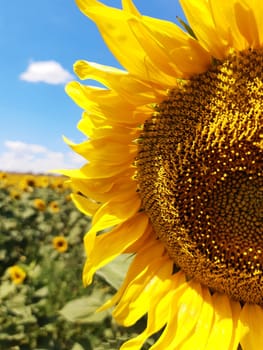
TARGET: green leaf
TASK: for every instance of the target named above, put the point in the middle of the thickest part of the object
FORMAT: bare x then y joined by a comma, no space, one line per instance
83,310
186,27
42,292
6,289
77,346
115,272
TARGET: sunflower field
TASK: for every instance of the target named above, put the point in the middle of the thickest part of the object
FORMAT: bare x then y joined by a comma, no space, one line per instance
43,304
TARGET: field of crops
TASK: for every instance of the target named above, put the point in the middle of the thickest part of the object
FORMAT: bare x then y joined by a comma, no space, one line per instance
43,305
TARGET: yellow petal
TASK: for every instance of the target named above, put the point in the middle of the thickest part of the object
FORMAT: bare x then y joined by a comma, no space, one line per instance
247,22
116,242
198,338
178,288
96,127
106,75
186,312
118,35
252,318
214,23
152,250
85,205
109,215
103,190
136,246
106,103
159,54
239,330
199,17
89,187
226,15
98,170
119,209
136,299
254,20
73,173
160,301
129,6
223,324
121,82
173,51
107,151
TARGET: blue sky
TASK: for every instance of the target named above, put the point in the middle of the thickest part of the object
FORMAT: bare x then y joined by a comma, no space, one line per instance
39,42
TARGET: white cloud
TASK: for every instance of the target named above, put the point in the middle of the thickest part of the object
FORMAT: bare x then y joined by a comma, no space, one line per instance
49,72
25,157
22,147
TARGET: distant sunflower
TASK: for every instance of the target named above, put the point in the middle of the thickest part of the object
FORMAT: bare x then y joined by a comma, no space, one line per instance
174,150
27,183
54,207
14,193
17,274
60,244
39,204
3,175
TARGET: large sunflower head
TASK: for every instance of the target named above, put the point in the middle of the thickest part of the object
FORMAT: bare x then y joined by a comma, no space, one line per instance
174,168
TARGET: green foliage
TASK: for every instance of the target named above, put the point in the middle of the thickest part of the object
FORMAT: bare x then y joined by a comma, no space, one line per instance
50,309
29,312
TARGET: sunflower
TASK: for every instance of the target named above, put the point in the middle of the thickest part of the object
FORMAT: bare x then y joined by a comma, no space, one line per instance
17,274
3,175
14,193
174,171
54,207
60,244
39,204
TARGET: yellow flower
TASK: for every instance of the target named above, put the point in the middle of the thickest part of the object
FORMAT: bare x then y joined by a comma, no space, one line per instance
60,244
15,194
27,183
39,204
54,207
17,274
3,175
43,181
58,183
174,148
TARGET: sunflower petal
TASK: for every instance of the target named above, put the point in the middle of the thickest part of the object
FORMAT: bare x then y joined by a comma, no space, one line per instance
223,328
223,24
172,50
135,301
85,205
106,150
254,21
152,250
115,30
103,190
159,303
247,22
116,242
120,81
185,310
203,326
105,103
96,127
98,170
136,246
226,15
252,318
